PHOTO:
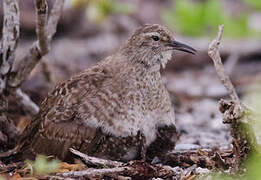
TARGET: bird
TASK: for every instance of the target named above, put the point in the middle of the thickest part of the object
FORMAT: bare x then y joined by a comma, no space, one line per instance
114,109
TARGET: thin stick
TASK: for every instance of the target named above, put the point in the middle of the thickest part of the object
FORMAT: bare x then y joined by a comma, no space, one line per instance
91,172
132,168
213,52
25,101
96,161
234,112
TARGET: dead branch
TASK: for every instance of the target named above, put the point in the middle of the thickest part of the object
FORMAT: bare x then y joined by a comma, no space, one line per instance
9,39
56,177
234,112
10,36
207,158
138,169
213,52
41,31
244,140
134,169
24,100
12,75
41,47
96,161
9,42
91,172
22,69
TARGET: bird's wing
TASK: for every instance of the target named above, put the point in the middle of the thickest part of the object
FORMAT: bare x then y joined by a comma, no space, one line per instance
58,125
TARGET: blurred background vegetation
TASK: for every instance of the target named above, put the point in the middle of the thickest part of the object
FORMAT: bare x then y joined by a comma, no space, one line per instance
202,17
98,10
189,17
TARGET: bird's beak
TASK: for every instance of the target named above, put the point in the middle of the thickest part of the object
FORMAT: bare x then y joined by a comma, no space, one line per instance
182,47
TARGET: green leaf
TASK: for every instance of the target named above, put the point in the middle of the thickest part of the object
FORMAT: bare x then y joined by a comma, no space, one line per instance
43,166
202,18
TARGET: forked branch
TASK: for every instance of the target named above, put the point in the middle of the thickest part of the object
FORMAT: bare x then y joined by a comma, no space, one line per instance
45,30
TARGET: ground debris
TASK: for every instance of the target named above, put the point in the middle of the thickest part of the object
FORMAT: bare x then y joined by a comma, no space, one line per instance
210,158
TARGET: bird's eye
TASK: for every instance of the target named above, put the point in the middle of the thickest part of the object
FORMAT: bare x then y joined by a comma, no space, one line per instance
155,38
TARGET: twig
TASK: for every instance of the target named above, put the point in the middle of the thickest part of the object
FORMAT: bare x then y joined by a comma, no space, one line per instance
234,112
26,102
213,52
56,177
138,169
96,161
9,167
119,177
207,158
91,172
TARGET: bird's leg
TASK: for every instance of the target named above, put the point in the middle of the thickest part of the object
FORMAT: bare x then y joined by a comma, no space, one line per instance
143,148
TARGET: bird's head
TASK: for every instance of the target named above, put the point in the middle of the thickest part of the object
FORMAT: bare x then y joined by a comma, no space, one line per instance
152,45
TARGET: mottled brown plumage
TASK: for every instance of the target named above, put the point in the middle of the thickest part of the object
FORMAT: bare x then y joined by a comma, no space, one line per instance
104,110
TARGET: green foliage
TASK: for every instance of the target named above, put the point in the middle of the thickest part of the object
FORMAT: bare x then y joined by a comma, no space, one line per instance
98,10
252,171
203,18
254,3
42,166
253,99
252,165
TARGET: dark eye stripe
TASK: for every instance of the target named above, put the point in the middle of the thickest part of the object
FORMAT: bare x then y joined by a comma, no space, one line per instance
155,38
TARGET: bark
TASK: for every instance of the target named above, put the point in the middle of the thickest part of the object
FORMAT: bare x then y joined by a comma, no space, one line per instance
95,161
45,32
9,42
12,75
